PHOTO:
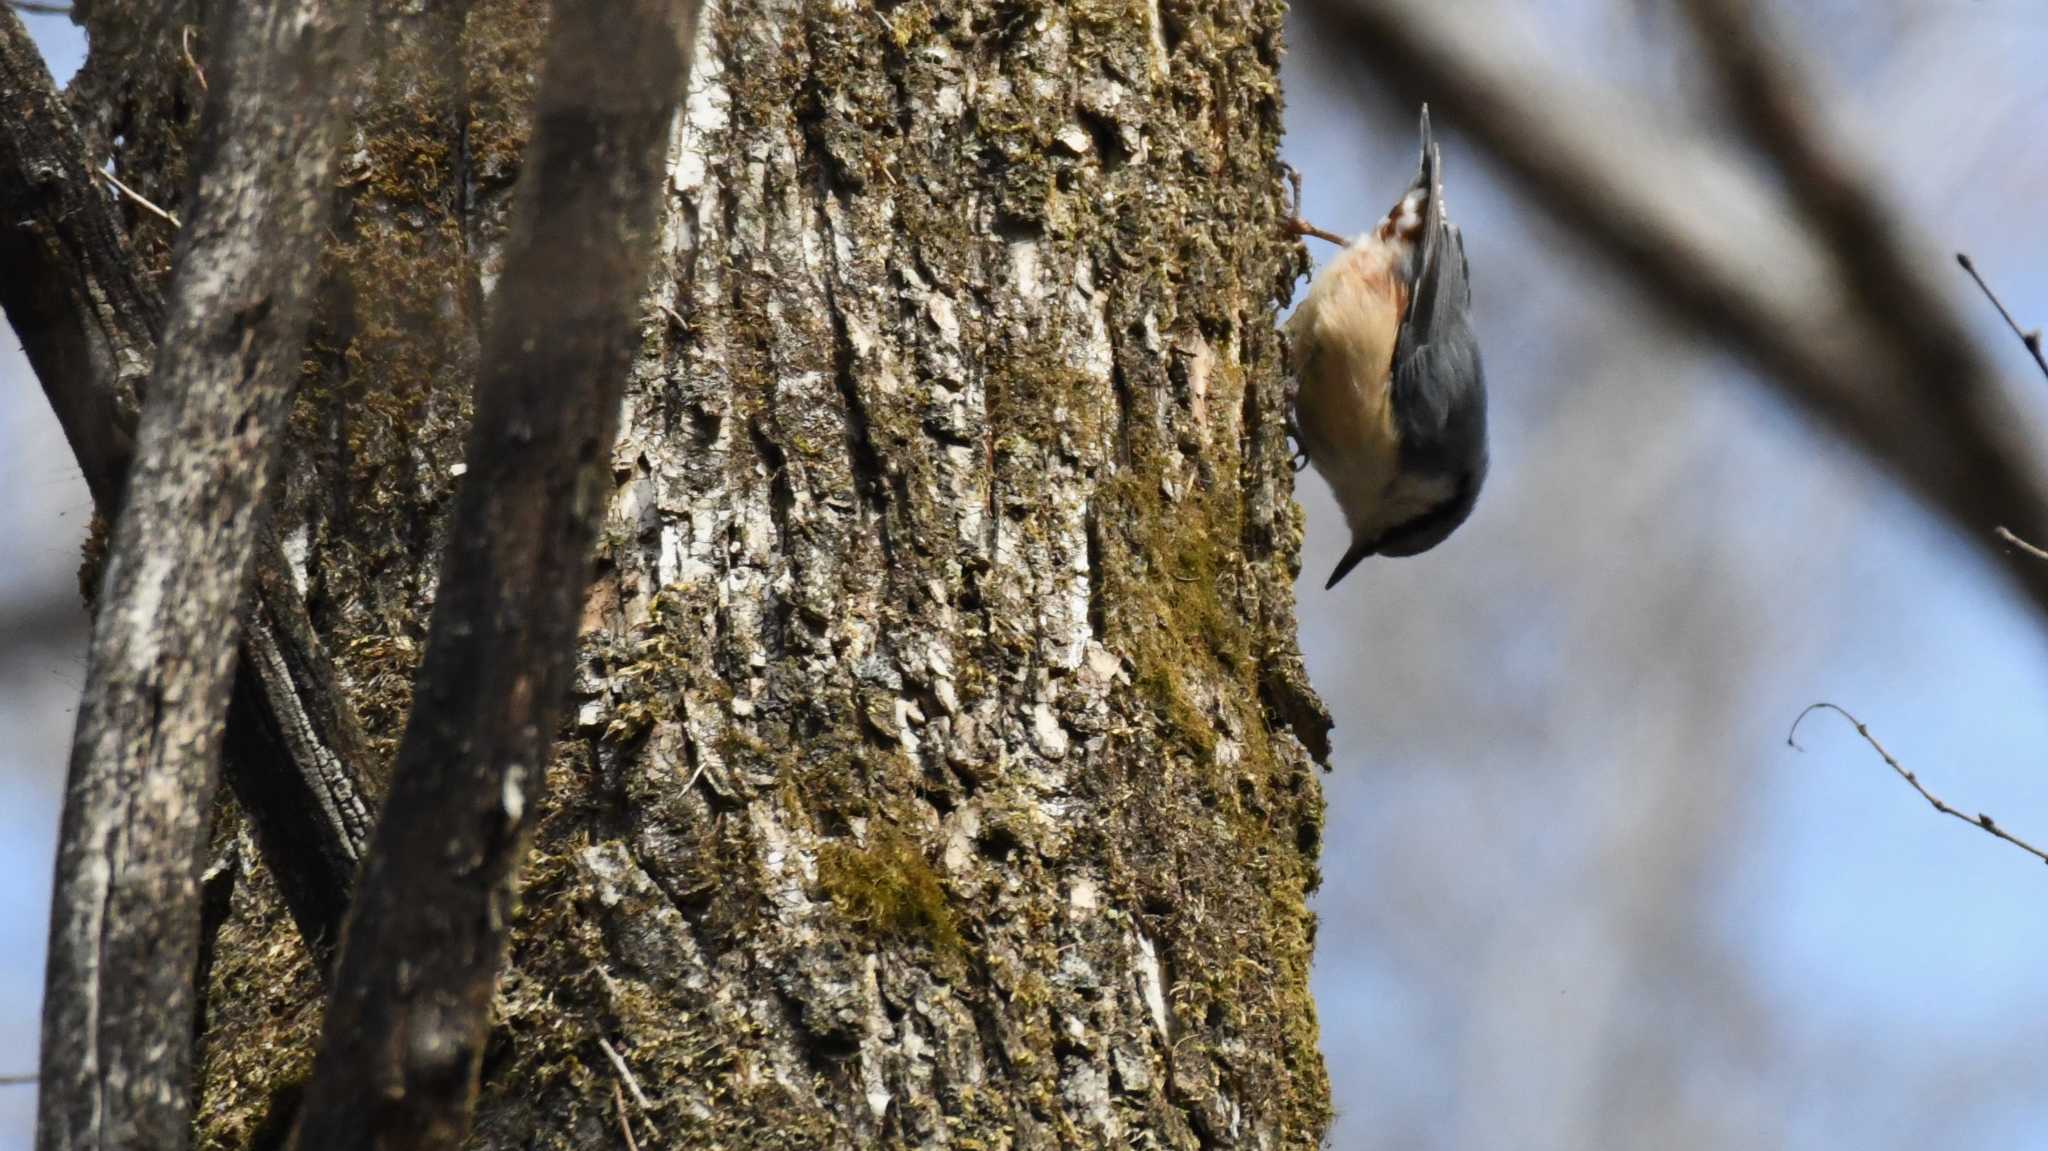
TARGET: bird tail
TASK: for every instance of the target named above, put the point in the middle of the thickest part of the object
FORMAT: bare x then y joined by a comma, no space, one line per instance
1438,274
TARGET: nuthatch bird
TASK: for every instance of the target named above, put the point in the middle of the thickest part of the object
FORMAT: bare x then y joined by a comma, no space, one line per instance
1390,403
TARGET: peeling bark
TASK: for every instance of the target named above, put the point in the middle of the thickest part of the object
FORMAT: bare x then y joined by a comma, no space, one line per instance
941,764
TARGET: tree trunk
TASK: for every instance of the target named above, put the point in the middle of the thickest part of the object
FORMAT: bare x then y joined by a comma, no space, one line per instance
940,767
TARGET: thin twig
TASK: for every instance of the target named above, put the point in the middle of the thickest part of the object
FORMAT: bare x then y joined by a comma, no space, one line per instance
35,8
625,1124
138,197
625,1072
2032,339
18,1080
1980,820
2006,535
185,42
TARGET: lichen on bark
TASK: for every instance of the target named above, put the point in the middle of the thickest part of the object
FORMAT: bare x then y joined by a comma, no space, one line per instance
941,765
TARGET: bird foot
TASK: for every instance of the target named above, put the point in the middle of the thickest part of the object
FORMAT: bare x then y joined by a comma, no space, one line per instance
1297,227
1298,459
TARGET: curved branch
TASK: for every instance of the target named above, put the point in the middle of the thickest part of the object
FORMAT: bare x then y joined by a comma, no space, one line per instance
1980,820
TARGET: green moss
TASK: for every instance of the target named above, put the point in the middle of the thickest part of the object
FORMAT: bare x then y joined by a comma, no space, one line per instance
502,42
1178,798
889,892
650,677
265,993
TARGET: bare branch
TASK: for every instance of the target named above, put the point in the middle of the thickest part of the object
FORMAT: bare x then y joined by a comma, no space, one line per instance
1769,95
37,8
88,321
139,198
2006,535
1728,259
410,1011
1980,821
124,940
2030,338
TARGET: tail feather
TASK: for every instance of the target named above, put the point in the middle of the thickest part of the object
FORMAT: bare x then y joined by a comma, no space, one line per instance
1432,259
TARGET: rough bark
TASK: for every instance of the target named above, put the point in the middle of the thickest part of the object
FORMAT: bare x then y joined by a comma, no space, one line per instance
410,1012
940,770
89,318
86,320
119,1002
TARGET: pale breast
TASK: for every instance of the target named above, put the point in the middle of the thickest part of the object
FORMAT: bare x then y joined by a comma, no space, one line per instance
1343,346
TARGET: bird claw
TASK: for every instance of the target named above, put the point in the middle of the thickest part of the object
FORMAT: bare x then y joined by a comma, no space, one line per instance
1293,181
1298,458
1294,225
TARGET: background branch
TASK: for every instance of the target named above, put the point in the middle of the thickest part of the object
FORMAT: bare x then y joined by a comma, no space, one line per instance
118,1014
88,321
410,1010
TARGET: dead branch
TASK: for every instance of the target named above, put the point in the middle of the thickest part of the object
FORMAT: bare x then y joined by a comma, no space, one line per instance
1980,821
139,199
124,941
88,321
410,1011
1726,257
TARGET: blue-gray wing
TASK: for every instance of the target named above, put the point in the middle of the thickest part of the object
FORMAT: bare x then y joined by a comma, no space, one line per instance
1437,379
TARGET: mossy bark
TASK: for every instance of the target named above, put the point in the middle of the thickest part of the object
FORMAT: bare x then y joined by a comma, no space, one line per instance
940,771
